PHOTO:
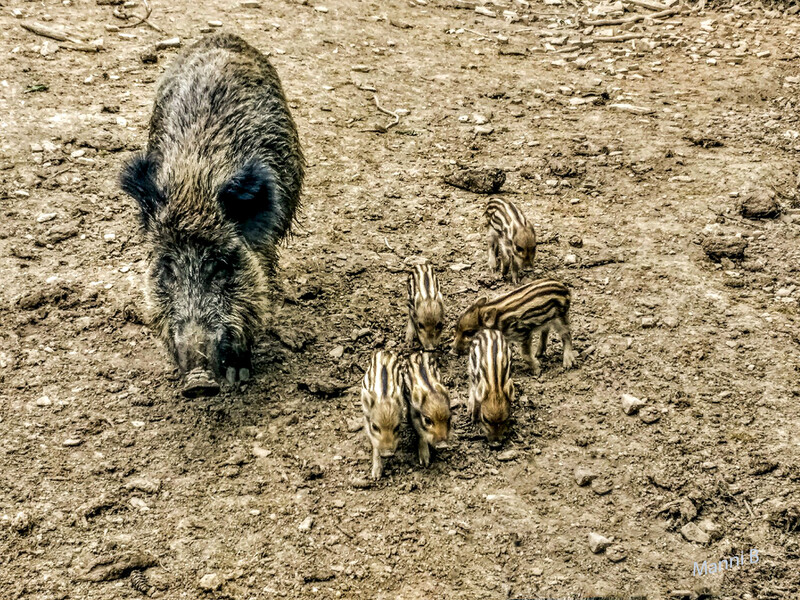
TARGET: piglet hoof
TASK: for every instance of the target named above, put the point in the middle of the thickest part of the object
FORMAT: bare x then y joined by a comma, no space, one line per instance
200,382
570,359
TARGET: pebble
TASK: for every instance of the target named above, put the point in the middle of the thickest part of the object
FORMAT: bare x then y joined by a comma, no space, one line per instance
21,522
570,259
483,129
480,119
482,10
306,525
508,455
109,237
598,543
168,43
631,404
692,533
601,487
45,217
49,48
649,415
354,425
760,205
210,582
215,23
616,554
251,4
729,246
148,486
648,322
36,147
71,442
537,571
361,483
337,352
486,180
139,504
584,476
148,57
322,9
43,401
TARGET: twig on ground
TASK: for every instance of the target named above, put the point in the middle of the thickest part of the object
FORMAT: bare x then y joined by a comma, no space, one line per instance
619,38
635,18
144,20
369,88
59,36
647,4
386,111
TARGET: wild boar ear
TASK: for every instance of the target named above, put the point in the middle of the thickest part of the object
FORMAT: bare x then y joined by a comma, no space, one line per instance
367,400
138,180
417,398
249,199
490,317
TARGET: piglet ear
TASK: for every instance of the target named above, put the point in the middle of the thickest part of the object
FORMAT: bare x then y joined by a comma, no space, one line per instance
138,180
249,200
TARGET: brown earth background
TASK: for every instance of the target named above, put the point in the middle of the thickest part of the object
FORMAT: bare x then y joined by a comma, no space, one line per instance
260,494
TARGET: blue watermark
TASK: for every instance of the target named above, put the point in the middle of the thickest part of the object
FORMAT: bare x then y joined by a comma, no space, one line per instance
709,568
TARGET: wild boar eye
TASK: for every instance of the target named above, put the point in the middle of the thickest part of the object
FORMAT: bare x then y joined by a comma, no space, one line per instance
397,429
439,326
519,249
427,422
375,428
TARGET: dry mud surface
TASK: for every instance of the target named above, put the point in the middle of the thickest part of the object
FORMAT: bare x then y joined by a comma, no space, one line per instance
258,494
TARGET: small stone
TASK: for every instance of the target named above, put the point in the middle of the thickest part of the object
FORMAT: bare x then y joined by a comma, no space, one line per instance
479,119
109,237
337,352
692,533
354,425
482,10
313,472
616,554
760,205
139,504
250,4
729,246
148,486
648,322
483,129
507,456
148,57
45,217
601,487
168,43
360,68
21,522
649,415
670,322
570,259
43,401
584,476
361,483
210,582
484,180
306,525
322,9
598,543
49,48
215,23
631,404
36,147
537,571
763,54
71,442
576,241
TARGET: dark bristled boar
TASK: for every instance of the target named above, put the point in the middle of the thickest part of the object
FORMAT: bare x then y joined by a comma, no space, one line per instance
217,188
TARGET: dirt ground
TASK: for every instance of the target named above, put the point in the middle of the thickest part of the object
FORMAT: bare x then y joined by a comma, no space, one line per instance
260,494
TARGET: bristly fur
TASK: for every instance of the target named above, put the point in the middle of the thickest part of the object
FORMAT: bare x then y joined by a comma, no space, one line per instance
428,404
512,240
425,307
524,315
383,405
490,386
218,189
